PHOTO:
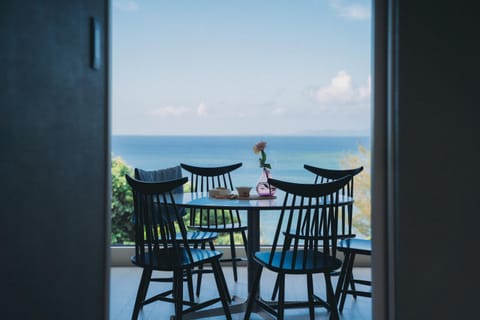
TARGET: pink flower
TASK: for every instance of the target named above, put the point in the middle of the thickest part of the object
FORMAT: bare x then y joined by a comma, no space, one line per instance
260,146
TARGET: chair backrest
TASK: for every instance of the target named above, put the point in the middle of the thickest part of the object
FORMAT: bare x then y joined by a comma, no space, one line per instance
307,221
156,220
324,175
161,175
206,178
203,179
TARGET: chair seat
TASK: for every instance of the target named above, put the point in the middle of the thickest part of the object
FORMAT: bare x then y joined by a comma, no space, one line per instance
315,262
198,237
230,227
360,246
201,236
165,260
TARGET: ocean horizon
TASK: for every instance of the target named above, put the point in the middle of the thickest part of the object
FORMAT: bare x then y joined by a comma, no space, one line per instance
286,154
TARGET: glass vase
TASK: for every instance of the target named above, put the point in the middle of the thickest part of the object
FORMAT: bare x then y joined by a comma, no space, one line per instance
263,187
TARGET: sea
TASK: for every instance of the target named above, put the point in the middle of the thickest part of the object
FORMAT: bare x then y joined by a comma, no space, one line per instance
286,155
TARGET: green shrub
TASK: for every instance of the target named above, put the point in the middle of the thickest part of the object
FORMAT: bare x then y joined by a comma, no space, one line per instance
362,206
122,203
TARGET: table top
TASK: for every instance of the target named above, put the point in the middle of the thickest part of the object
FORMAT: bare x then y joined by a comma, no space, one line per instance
201,199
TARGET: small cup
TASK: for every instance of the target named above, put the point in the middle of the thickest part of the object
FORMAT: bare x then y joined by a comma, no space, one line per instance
243,192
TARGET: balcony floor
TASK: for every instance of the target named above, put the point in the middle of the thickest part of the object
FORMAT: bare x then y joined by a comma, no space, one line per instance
124,284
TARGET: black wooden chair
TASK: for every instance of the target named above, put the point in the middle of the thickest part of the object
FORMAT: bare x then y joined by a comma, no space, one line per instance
221,221
161,244
305,242
196,238
345,224
351,248
324,175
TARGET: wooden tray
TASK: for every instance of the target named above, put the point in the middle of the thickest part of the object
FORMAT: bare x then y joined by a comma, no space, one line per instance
256,197
226,196
234,196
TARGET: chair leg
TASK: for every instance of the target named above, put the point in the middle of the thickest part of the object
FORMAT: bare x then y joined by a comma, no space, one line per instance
220,281
281,296
234,256
342,278
188,274
275,289
178,293
331,297
229,298
352,280
142,291
252,295
347,280
200,274
225,289
288,240
245,244
212,245
311,300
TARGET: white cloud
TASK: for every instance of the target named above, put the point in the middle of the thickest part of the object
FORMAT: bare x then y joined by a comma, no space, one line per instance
202,109
341,91
179,111
170,111
354,10
125,5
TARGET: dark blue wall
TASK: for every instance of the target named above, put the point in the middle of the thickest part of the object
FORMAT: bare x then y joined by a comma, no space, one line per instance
432,145
54,160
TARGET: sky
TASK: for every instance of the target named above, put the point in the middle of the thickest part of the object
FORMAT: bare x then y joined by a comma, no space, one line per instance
241,67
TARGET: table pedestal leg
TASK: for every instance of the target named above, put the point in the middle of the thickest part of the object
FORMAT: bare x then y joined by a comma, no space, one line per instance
253,234
253,238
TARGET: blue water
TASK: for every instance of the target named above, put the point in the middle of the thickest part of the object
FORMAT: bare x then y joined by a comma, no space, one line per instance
287,155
